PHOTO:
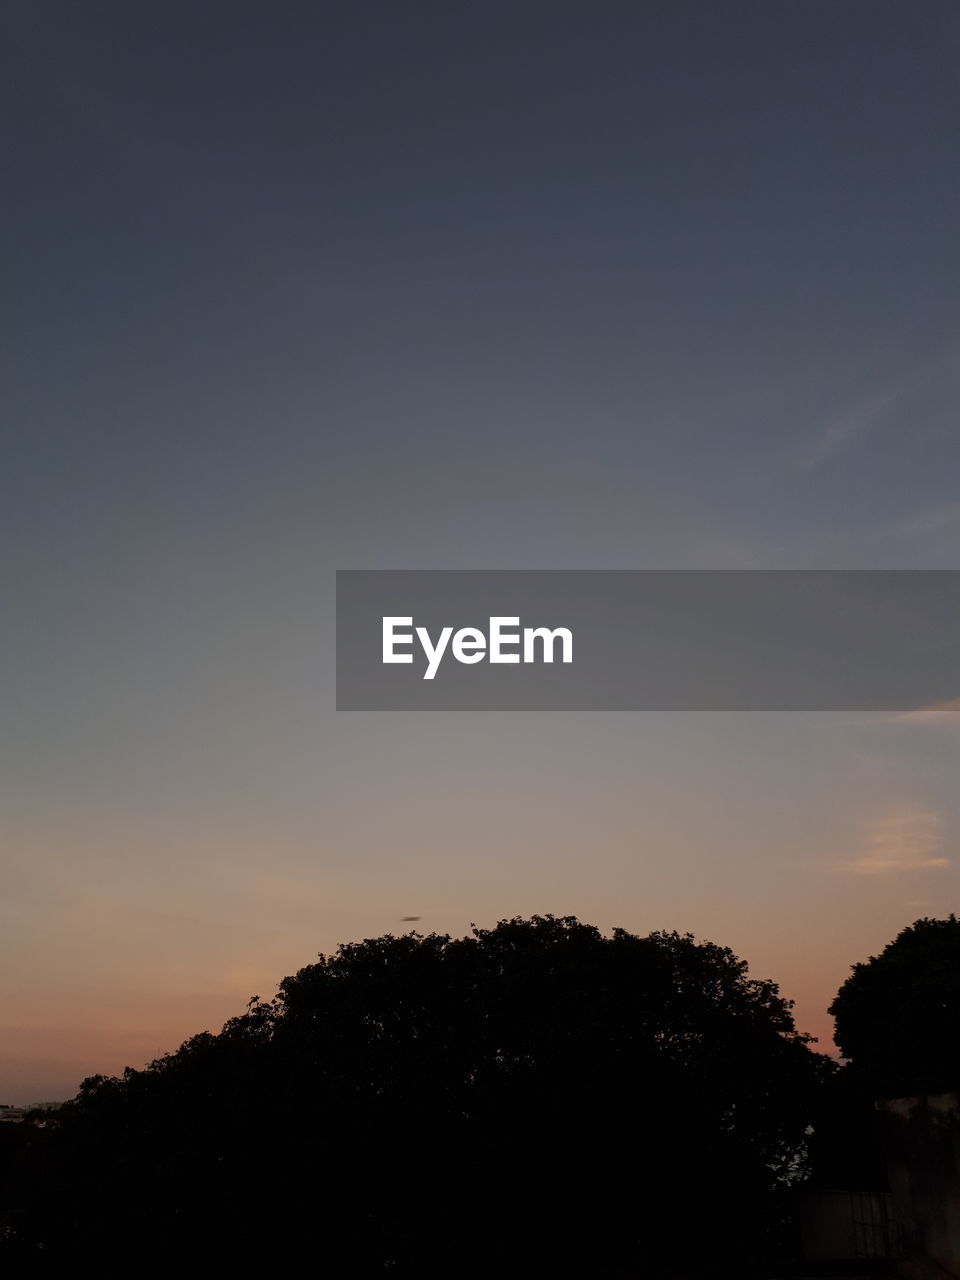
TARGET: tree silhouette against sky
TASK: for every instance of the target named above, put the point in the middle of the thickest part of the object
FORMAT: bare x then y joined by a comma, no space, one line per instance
524,1100
898,1014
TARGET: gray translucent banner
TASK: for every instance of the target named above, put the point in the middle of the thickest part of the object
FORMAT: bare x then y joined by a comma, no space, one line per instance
657,640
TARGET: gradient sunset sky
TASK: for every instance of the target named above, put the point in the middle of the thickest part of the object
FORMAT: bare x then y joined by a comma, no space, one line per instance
295,287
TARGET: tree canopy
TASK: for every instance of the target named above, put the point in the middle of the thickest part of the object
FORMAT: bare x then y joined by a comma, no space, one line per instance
898,1014
528,1099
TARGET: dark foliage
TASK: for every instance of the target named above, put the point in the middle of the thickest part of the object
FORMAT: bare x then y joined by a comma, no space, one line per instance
898,1015
845,1148
535,1099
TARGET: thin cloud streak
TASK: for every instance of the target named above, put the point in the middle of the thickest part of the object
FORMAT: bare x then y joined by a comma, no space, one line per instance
934,520
858,420
903,840
861,417
936,713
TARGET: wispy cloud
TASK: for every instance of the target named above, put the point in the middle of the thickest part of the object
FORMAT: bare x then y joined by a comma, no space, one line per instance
904,839
933,520
947,712
858,418
855,421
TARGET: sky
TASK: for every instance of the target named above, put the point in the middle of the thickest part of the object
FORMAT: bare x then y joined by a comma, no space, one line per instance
300,287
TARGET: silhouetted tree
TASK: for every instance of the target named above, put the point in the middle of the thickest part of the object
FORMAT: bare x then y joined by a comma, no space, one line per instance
898,1014
533,1099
